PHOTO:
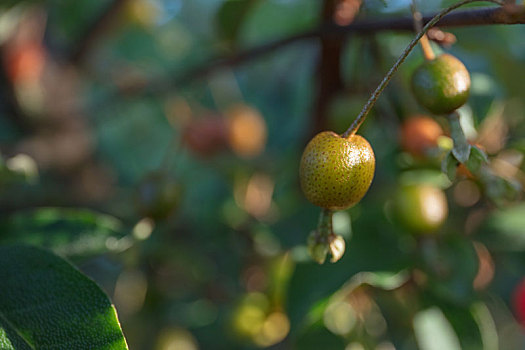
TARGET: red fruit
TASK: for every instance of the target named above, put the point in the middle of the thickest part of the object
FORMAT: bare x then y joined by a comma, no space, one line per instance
419,134
247,131
518,302
206,136
25,63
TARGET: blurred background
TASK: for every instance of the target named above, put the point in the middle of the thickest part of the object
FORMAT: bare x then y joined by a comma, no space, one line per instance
156,143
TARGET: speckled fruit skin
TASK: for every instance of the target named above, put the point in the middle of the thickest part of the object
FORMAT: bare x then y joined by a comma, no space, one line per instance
421,209
441,85
336,172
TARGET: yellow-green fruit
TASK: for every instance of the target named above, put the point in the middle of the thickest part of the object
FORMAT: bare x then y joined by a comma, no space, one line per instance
441,85
421,208
336,172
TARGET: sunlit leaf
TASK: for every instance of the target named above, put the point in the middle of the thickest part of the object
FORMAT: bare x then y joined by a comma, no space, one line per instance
230,17
68,232
45,303
434,332
503,229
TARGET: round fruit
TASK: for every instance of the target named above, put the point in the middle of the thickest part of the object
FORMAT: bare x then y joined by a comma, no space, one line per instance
205,137
441,85
421,208
518,302
158,196
246,131
336,172
420,134
25,63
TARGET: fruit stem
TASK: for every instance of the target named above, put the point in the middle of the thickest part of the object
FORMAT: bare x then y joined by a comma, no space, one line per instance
375,95
428,53
325,221
320,240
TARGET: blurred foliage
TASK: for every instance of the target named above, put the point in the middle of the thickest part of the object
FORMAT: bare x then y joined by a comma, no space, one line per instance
229,268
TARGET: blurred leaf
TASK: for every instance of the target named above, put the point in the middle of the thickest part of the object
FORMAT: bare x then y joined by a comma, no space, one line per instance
476,159
318,337
373,248
461,148
449,166
486,324
381,279
46,303
68,232
432,177
452,265
464,325
503,229
434,332
230,18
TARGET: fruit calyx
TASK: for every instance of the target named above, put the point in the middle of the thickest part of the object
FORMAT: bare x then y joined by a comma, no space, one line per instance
324,241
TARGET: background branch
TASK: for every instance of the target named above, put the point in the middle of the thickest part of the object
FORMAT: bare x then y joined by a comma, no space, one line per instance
508,14
329,69
95,30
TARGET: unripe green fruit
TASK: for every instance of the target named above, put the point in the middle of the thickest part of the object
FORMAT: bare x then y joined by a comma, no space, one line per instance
336,172
441,85
421,208
158,196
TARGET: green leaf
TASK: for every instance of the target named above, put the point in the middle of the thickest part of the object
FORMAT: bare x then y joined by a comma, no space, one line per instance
451,265
476,159
461,148
503,229
449,166
45,303
465,325
434,332
374,248
71,233
230,16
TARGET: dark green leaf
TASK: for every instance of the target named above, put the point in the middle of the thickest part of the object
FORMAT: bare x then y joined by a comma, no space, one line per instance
461,148
503,229
449,166
476,159
373,248
452,265
434,332
68,232
465,325
230,16
45,303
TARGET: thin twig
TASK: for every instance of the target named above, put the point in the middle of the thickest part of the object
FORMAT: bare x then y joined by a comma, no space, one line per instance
483,16
428,53
373,98
95,30
472,17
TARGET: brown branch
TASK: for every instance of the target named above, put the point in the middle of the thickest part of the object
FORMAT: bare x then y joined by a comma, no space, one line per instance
329,70
95,30
509,14
485,16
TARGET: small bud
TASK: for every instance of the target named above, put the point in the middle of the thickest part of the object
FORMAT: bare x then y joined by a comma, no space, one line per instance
317,247
336,246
